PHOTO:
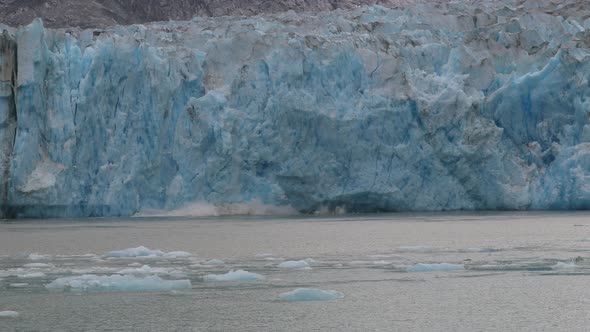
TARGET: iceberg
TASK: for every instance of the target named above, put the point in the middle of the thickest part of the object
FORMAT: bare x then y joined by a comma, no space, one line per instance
436,267
116,283
427,106
307,294
239,275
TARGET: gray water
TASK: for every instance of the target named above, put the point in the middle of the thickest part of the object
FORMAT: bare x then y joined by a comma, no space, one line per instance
522,272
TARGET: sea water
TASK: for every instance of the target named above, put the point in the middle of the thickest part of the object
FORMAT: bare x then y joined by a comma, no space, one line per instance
388,272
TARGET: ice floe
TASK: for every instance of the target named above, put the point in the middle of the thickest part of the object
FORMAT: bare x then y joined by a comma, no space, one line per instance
31,275
435,267
116,283
308,294
19,285
8,314
214,262
295,265
565,266
415,248
148,270
239,275
36,257
144,252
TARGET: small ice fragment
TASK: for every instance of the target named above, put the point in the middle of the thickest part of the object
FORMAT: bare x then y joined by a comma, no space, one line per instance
214,262
272,259
116,283
36,257
31,275
307,294
38,265
140,251
295,265
239,275
146,269
416,248
564,266
8,314
178,254
442,267
19,285
144,252
264,254
134,265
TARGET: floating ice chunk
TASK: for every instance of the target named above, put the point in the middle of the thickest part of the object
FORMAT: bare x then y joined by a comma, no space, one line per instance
134,265
415,248
295,265
264,254
19,285
147,270
31,275
307,294
239,275
564,266
272,259
384,256
178,254
142,251
116,283
38,265
215,262
443,267
92,269
37,257
8,314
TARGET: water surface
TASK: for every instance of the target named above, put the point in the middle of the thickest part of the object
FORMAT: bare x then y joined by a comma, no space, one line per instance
515,271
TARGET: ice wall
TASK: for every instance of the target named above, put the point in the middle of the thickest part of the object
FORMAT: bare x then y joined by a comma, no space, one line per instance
419,108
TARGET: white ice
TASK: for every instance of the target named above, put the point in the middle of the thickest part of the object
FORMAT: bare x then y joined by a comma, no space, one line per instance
142,251
239,275
295,265
214,261
8,314
565,266
116,283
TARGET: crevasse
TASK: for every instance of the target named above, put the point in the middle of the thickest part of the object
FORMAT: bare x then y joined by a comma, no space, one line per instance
419,108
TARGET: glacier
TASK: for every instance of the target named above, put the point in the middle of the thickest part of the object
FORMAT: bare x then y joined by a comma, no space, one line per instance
426,106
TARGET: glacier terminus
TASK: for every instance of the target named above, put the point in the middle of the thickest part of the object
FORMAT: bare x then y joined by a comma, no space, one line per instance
427,106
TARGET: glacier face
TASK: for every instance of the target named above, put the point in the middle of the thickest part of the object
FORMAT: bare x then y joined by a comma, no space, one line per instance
417,108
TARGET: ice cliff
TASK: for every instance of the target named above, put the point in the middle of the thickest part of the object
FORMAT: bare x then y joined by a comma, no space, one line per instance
423,107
